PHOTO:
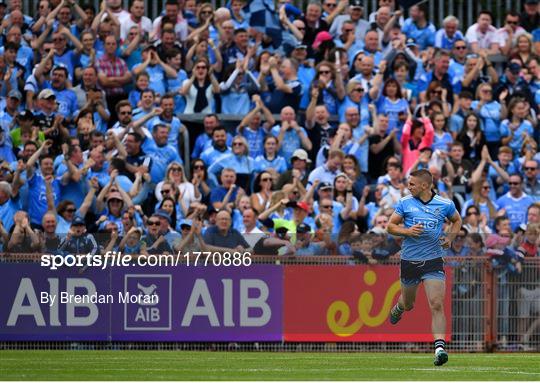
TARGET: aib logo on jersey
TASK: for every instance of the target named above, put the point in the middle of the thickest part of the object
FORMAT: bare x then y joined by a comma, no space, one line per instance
149,308
428,223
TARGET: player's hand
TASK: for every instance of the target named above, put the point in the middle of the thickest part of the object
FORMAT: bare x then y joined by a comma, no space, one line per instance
416,230
445,242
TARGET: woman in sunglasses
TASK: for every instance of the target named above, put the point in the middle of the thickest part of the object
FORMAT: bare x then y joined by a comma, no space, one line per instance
262,191
330,86
200,88
475,222
176,175
200,179
482,201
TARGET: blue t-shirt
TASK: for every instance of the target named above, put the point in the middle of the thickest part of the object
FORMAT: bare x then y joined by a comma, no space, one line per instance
442,142
37,196
7,212
173,86
67,102
393,109
432,216
157,78
263,163
424,37
255,140
490,114
291,142
525,127
516,208
73,191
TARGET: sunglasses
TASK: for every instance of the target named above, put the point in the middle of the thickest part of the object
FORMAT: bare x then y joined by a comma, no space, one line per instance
266,179
176,170
326,206
331,5
165,191
72,210
206,13
301,28
527,169
512,22
514,183
486,187
348,30
198,167
359,90
461,47
324,72
153,223
125,113
238,144
472,213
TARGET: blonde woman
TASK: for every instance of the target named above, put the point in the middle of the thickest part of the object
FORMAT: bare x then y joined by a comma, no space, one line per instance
176,175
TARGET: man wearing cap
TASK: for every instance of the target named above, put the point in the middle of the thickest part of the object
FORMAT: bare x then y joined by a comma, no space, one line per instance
172,236
299,170
77,240
9,113
512,81
304,244
354,17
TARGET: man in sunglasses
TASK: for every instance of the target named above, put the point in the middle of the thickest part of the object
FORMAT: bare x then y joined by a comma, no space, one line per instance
515,203
509,32
531,185
154,241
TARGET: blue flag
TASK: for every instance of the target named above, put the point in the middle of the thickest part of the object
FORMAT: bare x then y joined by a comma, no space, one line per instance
262,16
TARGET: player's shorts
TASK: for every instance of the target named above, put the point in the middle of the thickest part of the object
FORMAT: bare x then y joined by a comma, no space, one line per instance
414,272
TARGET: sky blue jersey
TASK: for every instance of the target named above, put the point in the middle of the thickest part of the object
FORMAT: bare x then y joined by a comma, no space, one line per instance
432,216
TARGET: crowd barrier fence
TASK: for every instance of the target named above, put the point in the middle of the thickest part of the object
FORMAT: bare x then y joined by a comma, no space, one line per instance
287,303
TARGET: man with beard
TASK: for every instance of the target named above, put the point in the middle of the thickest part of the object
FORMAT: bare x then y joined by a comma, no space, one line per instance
168,118
219,146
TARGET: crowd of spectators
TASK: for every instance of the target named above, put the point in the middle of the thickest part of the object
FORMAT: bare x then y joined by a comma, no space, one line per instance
330,122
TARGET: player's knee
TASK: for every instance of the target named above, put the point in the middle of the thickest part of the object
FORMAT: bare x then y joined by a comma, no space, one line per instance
436,306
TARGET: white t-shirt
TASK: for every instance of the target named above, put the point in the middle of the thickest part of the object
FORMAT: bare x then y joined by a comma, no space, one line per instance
145,24
484,40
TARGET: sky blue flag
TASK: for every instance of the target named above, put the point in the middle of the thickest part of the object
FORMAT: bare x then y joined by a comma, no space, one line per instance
262,16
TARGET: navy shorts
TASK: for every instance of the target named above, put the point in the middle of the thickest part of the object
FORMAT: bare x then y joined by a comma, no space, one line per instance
414,272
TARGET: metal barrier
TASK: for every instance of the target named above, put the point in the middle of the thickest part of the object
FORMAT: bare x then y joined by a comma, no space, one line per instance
491,310
465,10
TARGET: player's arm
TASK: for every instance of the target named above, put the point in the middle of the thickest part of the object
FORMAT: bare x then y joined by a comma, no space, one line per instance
455,226
395,227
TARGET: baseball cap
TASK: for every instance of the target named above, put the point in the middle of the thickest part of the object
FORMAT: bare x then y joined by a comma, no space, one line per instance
320,38
300,46
378,230
300,205
303,228
410,42
300,154
14,93
326,185
26,115
356,3
531,2
163,214
45,94
78,221
186,223
514,68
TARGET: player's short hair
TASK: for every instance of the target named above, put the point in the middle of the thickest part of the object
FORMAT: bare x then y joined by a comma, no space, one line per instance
424,175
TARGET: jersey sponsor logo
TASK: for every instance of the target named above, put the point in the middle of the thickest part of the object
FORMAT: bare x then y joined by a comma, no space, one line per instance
427,223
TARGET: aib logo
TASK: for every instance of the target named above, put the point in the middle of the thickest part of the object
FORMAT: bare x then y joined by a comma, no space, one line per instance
152,310
338,315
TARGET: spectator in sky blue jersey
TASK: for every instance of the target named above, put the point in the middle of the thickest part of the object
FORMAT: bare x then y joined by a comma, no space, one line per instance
290,135
419,28
253,129
516,128
515,203
491,112
66,98
449,34
156,69
392,103
168,118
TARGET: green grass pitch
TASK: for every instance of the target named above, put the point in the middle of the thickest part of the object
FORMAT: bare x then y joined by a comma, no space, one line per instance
199,365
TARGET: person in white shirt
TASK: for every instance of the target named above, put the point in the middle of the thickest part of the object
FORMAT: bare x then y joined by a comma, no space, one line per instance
482,35
509,32
136,18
